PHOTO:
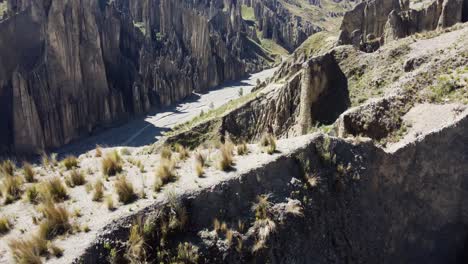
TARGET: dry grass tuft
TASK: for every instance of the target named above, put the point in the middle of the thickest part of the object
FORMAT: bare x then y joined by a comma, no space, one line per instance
242,149
110,203
183,152
98,191
32,194
165,173
125,152
226,160
199,164
28,172
166,153
136,246
262,207
124,190
112,164
56,221
54,250
70,162
268,142
76,178
98,152
7,168
28,251
11,188
5,225
54,190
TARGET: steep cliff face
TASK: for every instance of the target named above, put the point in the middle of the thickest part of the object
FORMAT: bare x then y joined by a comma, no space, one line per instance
278,23
316,93
327,200
371,23
69,67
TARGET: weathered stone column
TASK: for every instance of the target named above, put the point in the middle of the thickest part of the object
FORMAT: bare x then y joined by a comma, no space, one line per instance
305,116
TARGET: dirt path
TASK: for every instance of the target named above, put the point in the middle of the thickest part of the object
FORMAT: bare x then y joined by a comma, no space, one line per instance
146,130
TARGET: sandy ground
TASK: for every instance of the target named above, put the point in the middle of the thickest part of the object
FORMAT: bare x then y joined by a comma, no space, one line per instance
423,119
96,216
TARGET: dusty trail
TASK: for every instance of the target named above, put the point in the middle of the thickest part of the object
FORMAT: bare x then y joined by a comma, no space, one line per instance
146,130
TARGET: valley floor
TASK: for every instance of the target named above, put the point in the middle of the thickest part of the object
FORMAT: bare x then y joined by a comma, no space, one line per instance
148,129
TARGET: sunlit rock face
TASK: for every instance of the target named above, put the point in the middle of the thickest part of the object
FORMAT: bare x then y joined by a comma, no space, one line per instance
69,67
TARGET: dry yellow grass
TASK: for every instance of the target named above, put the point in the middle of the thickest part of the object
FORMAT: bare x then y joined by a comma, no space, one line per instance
165,173
112,164
5,225
54,190
98,191
76,178
7,167
124,190
226,159
56,221
183,152
11,188
70,162
242,149
268,142
98,153
28,172
166,153
28,251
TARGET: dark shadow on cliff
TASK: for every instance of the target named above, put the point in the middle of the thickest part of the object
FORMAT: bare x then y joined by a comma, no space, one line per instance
134,132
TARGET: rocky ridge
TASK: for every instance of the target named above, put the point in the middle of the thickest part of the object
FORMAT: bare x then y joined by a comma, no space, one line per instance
372,23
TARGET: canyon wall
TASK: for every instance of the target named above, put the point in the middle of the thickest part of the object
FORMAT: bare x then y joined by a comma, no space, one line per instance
371,23
70,67
276,22
330,200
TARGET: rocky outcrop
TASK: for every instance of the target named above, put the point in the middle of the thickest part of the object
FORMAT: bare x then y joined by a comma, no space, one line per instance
363,205
276,22
70,67
315,94
372,23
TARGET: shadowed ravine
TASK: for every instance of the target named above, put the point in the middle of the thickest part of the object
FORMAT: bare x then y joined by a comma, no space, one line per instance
147,129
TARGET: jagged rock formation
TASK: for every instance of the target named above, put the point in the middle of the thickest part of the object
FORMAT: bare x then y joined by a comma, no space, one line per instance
371,23
278,23
69,67
364,205
317,93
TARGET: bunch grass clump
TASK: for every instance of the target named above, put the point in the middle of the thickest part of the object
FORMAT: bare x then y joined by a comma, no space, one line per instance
124,190
28,172
200,162
32,194
5,225
11,188
28,250
226,159
76,178
98,191
166,153
54,190
98,152
183,152
112,164
70,162
56,221
165,173
242,149
7,168
268,142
